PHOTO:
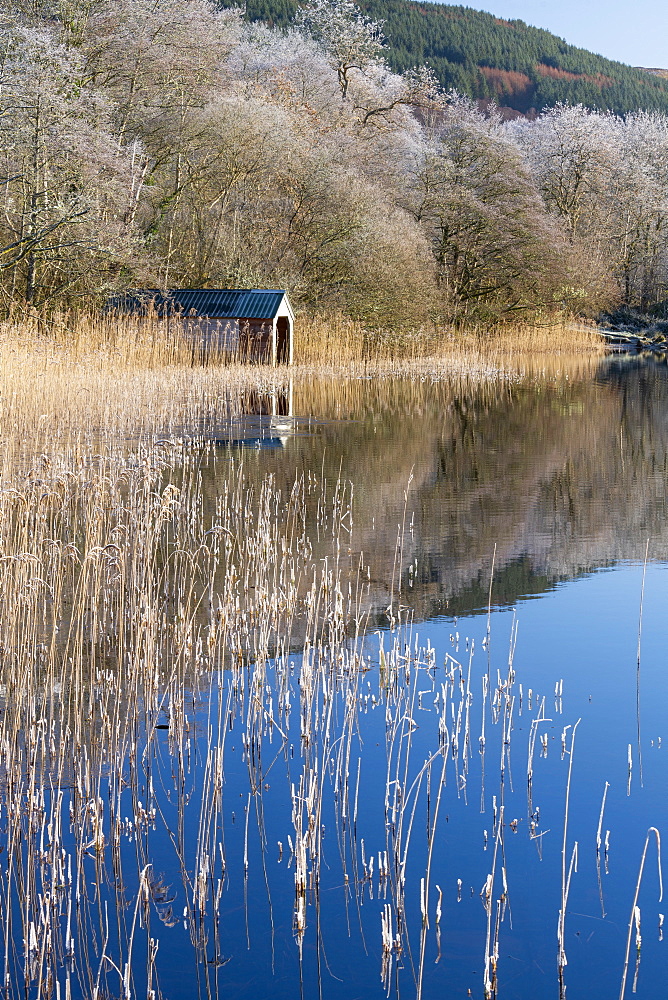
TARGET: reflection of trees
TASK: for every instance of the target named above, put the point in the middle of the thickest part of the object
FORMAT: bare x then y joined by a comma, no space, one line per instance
563,475
641,383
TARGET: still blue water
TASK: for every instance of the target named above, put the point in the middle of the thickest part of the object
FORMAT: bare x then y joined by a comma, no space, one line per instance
583,634
549,489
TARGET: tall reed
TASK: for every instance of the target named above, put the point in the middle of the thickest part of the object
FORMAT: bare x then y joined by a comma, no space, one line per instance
154,622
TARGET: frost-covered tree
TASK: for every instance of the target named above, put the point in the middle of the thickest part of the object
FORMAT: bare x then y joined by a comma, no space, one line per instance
573,155
351,39
606,178
167,142
640,208
69,189
288,68
496,249
572,152
156,56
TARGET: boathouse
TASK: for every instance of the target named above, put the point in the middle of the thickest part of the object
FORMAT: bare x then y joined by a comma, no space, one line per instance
255,324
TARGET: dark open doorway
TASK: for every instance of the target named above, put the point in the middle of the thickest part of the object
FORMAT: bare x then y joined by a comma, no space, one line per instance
282,340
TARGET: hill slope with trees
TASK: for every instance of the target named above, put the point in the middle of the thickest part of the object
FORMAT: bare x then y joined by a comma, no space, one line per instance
486,58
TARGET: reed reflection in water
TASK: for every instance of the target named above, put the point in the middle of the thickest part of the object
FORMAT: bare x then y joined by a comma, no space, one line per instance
248,748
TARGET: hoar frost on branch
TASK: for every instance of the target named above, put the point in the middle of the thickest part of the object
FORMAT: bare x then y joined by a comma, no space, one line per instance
166,142
350,39
69,189
606,178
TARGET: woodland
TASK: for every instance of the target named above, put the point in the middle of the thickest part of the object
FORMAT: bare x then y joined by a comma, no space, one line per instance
522,68
172,143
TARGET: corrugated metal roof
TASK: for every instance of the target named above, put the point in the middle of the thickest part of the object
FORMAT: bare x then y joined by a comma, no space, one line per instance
220,303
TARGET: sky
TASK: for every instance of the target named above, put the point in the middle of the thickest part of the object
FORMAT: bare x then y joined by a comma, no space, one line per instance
631,31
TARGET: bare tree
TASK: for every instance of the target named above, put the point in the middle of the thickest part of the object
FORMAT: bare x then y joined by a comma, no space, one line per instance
351,39
571,151
66,184
639,193
496,249
606,178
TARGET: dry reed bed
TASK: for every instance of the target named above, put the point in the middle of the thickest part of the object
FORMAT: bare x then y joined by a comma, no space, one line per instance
326,337
84,384
122,603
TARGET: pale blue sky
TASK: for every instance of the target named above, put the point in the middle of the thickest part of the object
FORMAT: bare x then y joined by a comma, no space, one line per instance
632,32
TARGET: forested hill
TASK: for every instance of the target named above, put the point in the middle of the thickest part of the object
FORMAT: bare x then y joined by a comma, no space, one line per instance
521,67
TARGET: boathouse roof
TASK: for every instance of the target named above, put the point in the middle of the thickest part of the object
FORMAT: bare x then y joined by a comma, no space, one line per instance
219,303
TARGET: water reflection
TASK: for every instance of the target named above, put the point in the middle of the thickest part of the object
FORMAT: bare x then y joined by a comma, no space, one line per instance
562,476
245,791
266,422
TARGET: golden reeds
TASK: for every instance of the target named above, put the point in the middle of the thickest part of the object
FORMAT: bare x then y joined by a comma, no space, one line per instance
322,338
140,626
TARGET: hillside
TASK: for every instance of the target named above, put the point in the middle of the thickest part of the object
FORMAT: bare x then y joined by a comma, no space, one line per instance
521,67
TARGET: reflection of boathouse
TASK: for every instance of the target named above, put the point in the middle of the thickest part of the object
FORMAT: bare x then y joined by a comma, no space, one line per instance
265,419
273,402
254,324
